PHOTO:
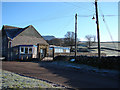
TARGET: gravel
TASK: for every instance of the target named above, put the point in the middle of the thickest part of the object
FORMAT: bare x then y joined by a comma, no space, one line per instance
12,80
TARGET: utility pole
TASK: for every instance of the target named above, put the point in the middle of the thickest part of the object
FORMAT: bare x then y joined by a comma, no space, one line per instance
75,35
98,34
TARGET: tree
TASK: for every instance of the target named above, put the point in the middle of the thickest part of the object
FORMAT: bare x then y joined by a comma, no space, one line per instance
69,39
91,39
55,41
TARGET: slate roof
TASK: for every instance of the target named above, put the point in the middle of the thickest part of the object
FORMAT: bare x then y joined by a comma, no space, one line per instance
12,32
24,39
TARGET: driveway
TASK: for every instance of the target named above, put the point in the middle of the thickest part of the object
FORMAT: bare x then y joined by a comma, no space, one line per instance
61,75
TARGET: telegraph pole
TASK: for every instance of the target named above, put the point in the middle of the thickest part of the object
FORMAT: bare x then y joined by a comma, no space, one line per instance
75,35
98,34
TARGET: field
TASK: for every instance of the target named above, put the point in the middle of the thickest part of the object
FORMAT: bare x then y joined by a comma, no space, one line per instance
108,45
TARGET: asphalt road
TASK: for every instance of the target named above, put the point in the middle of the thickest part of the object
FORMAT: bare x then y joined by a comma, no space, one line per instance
61,75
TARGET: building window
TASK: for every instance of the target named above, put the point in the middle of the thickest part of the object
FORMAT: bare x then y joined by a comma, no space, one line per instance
30,50
26,50
22,50
41,50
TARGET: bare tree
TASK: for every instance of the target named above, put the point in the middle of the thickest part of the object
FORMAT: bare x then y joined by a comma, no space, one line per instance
94,38
69,39
89,38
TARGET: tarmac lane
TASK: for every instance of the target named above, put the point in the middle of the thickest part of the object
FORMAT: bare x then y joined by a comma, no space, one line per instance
65,76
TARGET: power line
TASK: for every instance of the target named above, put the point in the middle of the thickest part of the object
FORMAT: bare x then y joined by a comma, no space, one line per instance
98,15
78,6
67,24
43,19
108,30
107,25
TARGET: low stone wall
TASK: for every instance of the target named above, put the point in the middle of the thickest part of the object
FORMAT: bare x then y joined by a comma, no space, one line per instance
104,62
78,54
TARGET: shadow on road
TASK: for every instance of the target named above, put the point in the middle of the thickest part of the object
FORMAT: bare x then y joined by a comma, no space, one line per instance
77,78
57,73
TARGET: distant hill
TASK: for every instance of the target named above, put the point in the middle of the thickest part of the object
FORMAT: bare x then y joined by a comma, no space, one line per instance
48,37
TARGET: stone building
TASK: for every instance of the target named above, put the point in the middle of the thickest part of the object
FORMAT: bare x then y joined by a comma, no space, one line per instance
23,43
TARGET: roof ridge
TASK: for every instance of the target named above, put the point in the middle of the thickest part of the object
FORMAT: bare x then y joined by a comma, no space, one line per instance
27,26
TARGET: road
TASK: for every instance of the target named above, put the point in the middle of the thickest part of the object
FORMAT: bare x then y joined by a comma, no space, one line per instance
60,75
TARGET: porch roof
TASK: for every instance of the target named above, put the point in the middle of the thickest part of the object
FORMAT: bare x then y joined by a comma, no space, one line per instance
26,46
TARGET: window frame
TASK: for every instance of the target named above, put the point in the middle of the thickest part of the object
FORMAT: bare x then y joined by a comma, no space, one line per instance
29,50
24,50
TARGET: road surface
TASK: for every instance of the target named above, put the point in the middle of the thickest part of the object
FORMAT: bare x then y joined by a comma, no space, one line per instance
60,75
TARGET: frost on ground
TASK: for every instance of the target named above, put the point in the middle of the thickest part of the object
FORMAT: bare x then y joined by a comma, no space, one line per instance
86,68
12,80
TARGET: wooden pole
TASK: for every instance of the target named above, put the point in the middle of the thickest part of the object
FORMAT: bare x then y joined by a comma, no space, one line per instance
75,36
98,34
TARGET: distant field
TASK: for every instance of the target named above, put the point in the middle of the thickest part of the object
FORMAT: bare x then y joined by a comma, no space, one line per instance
111,45
108,45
